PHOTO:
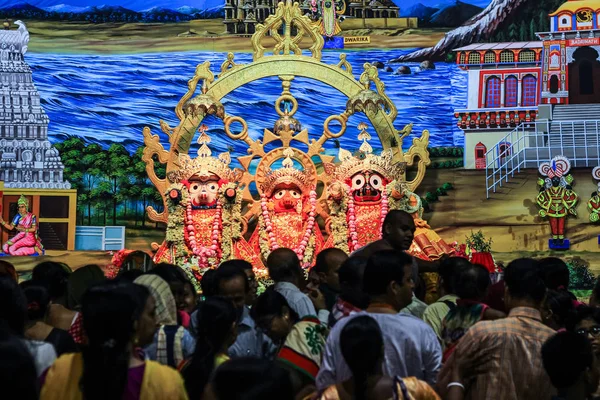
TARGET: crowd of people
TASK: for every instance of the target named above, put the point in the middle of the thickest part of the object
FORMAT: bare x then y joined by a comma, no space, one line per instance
349,331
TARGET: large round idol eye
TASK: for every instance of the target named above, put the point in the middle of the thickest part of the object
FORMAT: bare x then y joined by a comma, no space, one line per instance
295,194
212,187
279,194
194,187
358,181
376,182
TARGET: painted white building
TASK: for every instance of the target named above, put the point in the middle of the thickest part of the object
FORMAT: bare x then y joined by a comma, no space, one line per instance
27,159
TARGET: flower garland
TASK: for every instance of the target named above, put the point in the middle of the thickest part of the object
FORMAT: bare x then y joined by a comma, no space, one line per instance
338,221
176,222
353,234
231,215
206,254
268,241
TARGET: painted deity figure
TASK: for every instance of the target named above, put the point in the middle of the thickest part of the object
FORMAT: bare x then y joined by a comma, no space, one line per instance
362,192
204,224
556,197
288,213
594,202
26,242
326,13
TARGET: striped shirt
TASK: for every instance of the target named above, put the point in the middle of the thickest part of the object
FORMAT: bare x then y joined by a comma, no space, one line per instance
503,358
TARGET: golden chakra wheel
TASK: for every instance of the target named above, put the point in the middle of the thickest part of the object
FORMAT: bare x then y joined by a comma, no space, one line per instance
287,60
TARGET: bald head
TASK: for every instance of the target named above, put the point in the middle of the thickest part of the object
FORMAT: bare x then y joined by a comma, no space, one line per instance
283,265
398,229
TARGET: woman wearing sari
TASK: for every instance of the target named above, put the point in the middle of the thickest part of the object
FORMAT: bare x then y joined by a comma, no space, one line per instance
26,242
301,341
108,367
361,343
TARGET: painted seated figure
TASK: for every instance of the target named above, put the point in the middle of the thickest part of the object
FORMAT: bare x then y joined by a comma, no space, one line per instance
204,223
26,242
287,211
364,188
594,202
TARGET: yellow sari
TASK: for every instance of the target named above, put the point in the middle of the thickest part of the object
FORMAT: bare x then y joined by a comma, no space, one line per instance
62,381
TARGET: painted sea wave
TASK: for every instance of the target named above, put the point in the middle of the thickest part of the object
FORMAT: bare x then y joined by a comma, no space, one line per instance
110,98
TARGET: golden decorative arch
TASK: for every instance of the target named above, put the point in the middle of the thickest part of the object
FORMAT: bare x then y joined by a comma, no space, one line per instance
285,60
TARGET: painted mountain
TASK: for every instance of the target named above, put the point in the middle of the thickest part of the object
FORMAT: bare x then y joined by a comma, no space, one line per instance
501,20
454,14
108,13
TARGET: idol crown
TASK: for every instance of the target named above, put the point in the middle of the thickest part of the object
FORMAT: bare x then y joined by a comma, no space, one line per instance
288,175
383,164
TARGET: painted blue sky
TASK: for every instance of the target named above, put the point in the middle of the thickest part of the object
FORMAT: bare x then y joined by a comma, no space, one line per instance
138,5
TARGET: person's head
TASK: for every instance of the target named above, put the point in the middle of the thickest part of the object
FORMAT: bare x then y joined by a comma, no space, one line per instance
181,287
398,229
252,283
388,278
232,283
109,313
18,376
216,320
524,284
569,362
208,283
13,309
130,275
351,282
448,273
8,269
587,323
146,309
284,266
328,264
79,281
38,300
55,276
555,273
361,343
273,315
558,309
472,282
166,310
249,379
313,281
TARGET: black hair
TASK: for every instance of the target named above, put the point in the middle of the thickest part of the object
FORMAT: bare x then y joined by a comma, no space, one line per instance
283,265
524,279
566,356
583,313
270,303
229,270
561,305
80,281
130,275
361,343
169,273
322,263
208,284
109,312
55,275
7,268
472,282
13,309
215,317
555,272
449,270
38,299
351,281
18,376
384,267
251,379
394,217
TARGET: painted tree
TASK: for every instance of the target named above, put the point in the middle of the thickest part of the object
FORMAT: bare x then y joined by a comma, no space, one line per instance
118,160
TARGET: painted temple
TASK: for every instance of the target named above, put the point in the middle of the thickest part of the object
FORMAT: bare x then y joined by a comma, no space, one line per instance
523,96
29,164
241,16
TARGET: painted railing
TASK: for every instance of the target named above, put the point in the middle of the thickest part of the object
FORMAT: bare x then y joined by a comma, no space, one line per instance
99,238
531,143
